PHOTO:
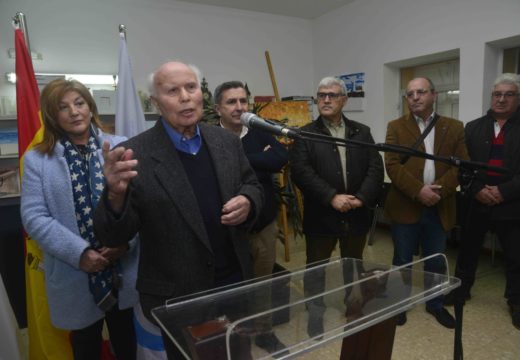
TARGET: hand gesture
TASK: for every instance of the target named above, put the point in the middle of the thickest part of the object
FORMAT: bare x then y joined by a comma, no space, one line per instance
92,261
429,195
489,195
344,202
118,171
114,253
236,210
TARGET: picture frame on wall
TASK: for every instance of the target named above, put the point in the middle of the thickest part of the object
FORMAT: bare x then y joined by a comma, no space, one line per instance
355,84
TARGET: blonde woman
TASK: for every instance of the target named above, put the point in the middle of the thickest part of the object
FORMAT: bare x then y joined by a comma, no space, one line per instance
87,284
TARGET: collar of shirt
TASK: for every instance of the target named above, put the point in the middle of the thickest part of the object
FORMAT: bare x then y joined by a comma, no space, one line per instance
497,127
181,143
333,125
243,133
427,120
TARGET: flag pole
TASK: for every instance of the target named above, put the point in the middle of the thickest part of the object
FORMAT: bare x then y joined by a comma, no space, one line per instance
122,34
19,20
122,30
129,113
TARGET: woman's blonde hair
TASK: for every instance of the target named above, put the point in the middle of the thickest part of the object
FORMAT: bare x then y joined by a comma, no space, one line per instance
50,99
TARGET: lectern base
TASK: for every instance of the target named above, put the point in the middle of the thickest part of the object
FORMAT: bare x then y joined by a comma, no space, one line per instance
361,302
208,341
373,343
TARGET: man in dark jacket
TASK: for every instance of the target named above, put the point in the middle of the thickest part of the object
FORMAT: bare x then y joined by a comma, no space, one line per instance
189,191
494,199
267,157
338,184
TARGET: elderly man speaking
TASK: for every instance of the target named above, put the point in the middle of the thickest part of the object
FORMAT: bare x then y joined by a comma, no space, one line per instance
189,191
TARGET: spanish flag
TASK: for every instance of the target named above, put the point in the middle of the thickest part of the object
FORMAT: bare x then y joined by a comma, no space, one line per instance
45,341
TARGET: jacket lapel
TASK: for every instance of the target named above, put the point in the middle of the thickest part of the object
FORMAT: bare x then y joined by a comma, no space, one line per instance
441,132
320,126
511,142
412,130
221,161
170,173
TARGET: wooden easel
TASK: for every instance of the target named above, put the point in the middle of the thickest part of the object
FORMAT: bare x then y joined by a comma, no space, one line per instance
284,173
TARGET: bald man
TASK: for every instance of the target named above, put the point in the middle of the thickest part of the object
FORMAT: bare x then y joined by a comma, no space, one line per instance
189,191
421,200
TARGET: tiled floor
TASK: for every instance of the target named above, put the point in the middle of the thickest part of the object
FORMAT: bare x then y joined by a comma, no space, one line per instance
487,329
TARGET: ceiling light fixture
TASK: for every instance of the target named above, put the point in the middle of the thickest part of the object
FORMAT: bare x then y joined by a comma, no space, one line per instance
87,79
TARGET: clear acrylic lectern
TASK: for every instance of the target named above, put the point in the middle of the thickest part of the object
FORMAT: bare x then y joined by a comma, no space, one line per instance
354,296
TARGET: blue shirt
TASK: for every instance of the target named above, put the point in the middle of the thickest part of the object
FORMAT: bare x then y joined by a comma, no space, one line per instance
181,143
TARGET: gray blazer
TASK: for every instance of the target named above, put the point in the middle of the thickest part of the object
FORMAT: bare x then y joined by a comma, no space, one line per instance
48,216
176,255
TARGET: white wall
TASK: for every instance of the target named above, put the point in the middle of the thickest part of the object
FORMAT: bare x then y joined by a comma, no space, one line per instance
82,36
370,36
367,34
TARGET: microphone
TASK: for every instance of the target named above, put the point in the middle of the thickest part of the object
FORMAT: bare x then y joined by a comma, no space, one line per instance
252,121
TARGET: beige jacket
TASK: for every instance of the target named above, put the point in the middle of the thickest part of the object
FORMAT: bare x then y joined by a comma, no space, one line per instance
401,204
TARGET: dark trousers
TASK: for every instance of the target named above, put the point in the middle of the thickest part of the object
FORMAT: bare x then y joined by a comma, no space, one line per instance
473,235
172,352
319,248
86,342
431,236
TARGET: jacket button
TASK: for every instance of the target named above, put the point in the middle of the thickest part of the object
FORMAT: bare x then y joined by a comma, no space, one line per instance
209,263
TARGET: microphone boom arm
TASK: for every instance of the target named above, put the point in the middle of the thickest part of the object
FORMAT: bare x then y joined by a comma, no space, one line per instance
384,147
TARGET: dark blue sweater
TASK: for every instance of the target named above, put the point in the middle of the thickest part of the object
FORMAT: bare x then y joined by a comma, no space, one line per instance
265,163
201,174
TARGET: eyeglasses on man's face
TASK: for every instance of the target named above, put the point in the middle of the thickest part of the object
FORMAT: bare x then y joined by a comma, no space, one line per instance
507,95
420,92
330,95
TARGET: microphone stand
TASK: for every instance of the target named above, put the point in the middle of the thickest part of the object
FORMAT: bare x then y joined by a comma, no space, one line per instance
469,167
468,171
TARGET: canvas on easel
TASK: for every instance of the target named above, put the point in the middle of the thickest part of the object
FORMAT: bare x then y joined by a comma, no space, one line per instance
291,113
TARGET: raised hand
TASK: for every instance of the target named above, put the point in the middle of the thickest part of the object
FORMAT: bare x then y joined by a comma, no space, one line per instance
118,171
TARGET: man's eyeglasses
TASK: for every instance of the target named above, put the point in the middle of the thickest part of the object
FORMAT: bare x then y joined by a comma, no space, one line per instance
507,95
419,93
331,95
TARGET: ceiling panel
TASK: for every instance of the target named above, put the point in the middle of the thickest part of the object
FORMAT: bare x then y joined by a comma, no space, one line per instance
306,9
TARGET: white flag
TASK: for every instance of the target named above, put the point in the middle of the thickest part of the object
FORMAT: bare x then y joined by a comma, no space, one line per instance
150,345
129,113
8,328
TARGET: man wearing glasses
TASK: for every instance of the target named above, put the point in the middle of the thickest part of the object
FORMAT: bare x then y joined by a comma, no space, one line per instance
421,200
339,185
494,199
